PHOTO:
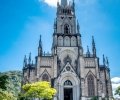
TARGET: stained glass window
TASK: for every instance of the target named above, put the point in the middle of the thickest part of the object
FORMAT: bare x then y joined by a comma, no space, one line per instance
91,88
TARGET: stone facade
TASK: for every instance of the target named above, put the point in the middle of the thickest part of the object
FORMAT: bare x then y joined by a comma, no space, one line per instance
75,75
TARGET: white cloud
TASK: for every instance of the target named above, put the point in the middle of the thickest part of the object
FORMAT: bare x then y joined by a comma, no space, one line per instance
53,3
115,83
115,80
114,86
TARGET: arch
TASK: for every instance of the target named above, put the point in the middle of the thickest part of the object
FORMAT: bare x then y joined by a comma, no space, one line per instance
45,77
73,41
60,41
66,29
91,87
66,41
67,83
67,59
64,77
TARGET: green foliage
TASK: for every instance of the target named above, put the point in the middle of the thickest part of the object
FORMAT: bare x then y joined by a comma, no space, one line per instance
94,98
4,95
10,84
14,81
21,97
3,81
117,92
39,90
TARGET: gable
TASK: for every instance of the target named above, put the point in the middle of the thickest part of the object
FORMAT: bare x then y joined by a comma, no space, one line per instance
68,68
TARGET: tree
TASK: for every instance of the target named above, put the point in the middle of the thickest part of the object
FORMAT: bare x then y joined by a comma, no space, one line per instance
94,98
3,81
4,95
117,92
39,90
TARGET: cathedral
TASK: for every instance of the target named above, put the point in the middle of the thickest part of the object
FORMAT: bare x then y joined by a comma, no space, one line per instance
74,74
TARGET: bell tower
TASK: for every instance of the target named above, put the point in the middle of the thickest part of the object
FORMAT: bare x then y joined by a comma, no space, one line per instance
66,20
66,28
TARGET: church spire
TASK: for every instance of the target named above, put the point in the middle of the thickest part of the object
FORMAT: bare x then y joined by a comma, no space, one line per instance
88,52
73,6
55,26
40,47
40,42
104,60
25,61
93,47
107,62
78,27
29,60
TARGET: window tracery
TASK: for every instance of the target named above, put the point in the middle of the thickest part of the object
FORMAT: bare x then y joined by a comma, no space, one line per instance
91,88
66,29
67,82
45,77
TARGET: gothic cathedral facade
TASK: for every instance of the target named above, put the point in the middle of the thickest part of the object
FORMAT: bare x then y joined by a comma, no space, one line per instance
76,75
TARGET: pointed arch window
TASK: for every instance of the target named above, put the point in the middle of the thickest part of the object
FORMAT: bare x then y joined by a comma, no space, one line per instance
66,41
45,77
66,29
60,41
91,87
67,83
73,41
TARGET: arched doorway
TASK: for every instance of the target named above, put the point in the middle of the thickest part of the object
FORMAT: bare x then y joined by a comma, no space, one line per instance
68,90
68,85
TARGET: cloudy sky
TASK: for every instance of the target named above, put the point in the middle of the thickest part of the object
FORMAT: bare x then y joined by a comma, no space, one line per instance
22,21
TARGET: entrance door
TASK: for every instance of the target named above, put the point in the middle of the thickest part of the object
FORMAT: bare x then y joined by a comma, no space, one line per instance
68,94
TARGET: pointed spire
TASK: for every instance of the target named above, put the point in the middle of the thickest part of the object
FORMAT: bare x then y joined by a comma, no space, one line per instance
57,3
93,47
55,26
40,47
73,6
78,27
29,60
44,53
104,60
25,61
32,62
93,42
88,52
73,2
40,42
107,62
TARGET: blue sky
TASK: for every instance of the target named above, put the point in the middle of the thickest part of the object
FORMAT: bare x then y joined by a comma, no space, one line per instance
22,21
